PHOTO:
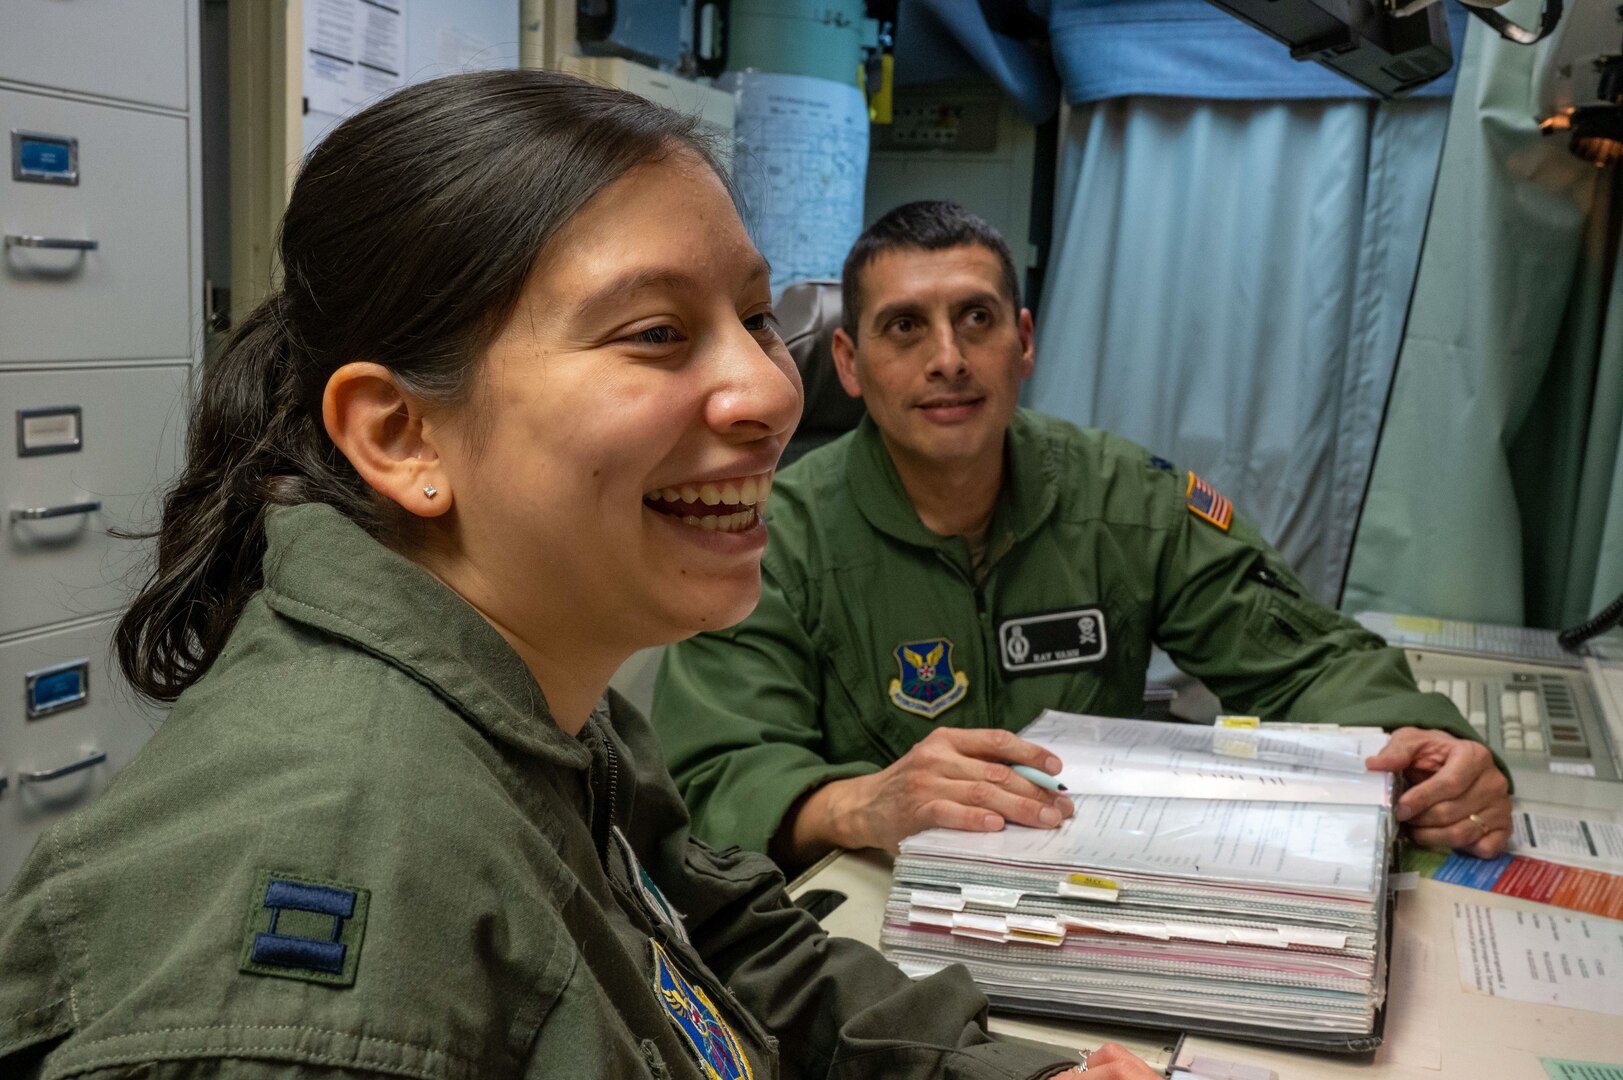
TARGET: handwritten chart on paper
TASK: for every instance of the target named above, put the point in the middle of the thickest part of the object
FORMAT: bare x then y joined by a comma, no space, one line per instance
354,52
801,169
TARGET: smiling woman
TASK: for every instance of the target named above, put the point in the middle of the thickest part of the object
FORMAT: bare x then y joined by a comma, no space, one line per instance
512,416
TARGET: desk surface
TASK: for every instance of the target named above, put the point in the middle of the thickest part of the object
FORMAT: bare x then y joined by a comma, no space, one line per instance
1434,1027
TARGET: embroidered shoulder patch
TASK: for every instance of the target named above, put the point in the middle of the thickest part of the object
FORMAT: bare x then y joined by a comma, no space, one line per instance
299,928
1204,502
927,686
653,901
699,1023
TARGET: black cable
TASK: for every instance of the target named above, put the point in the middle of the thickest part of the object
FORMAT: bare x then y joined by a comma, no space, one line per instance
1519,34
1609,617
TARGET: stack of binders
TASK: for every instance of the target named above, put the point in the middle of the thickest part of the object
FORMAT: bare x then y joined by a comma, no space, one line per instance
1225,880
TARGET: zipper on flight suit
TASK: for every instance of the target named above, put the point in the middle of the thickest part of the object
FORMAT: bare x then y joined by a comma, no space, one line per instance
1260,573
984,655
613,765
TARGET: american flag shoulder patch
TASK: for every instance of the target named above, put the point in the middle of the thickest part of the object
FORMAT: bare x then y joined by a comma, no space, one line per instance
1205,502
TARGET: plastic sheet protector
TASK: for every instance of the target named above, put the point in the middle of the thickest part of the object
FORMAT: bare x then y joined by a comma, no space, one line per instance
1225,880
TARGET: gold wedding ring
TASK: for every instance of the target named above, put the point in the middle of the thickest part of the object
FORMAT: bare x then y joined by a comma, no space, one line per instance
1483,825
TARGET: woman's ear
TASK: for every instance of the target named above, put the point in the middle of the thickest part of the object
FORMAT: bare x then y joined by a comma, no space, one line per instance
380,428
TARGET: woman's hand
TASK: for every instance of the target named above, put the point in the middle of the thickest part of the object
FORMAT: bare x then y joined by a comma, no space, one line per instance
1112,1061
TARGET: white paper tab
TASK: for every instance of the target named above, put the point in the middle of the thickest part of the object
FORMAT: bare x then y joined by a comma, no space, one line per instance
931,898
991,924
1313,939
1250,935
923,916
991,896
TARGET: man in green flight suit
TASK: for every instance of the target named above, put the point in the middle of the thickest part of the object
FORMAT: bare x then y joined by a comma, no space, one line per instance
942,574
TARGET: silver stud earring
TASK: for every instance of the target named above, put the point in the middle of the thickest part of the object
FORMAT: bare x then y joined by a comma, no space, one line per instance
431,491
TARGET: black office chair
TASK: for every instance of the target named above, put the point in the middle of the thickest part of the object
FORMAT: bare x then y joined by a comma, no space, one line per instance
809,312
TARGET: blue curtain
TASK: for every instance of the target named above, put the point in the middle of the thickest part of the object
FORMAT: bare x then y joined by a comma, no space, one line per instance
1227,286
1102,49
1191,49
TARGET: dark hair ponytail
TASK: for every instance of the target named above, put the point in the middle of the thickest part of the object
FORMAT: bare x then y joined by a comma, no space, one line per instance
407,241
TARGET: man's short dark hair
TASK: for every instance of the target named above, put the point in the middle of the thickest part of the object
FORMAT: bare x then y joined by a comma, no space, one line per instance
926,226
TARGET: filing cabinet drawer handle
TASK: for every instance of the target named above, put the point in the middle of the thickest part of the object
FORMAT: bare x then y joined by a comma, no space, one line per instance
40,513
56,243
95,757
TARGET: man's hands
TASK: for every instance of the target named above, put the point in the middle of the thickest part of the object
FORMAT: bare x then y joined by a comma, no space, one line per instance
955,778
1458,797
1112,1061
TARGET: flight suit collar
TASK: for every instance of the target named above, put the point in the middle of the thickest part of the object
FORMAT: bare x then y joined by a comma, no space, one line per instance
1030,489
323,570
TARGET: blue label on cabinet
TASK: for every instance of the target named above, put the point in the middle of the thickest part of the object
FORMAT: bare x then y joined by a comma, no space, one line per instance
57,688
49,158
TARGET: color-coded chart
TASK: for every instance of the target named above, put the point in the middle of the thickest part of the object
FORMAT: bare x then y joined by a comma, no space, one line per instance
1593,892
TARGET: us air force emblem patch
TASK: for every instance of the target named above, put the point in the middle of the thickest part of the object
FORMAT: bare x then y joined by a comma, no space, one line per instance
700,1024
1052,641
928,685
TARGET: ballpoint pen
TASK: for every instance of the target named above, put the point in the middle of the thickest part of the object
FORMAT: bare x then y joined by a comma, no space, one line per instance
1038,777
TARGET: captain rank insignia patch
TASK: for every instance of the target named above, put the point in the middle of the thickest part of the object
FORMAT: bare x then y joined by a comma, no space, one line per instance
700,1024
304,929
927,685
1204,502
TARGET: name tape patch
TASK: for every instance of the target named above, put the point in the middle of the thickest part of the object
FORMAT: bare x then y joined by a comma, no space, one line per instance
1052,640
303,929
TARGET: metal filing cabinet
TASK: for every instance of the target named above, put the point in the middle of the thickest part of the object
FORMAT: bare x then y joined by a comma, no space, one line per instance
100,337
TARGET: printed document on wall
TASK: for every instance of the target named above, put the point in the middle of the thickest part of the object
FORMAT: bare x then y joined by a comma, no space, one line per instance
354,52
801,168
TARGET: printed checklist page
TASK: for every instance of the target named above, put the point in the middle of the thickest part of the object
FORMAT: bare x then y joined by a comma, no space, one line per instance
1548,958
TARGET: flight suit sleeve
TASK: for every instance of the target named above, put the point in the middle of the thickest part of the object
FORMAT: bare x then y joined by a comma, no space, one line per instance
836,1006
739,715
35,1009
1229,610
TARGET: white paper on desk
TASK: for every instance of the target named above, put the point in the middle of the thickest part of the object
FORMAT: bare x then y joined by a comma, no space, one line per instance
1411,1036
1109,756
1540,956
1281,845
1554,835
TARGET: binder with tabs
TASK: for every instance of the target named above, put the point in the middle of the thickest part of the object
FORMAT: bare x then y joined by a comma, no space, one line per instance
1221,880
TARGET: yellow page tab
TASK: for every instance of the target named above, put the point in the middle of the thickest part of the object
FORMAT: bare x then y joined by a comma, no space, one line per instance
1087,887
1417,624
